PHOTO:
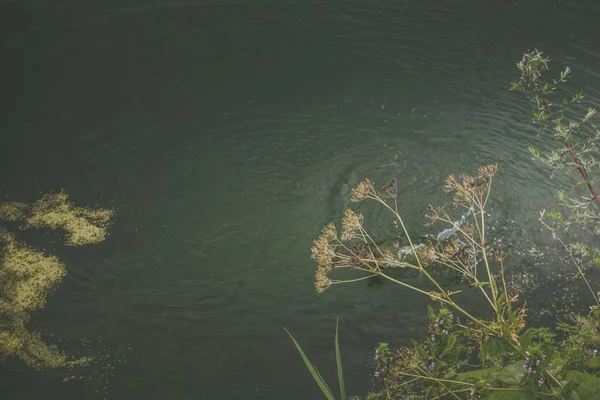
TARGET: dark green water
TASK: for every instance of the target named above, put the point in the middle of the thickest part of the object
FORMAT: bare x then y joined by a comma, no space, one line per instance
225,134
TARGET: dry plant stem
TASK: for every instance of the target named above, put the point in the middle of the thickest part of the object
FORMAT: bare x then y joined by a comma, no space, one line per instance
447,389
428,377
569,147
555,380
521,390
454,391
446,298
440,382
412,246
481,246
570,252
503,280
481,229
353,280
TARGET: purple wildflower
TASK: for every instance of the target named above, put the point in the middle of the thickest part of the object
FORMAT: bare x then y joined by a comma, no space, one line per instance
529,370
377,375
527,360
376,357
433,338
431,367
540,382
537,363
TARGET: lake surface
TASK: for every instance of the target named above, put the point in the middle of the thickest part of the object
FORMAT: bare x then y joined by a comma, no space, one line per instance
225,134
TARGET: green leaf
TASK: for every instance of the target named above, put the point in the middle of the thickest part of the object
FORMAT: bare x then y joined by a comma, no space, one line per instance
589,385
511,374
419,348
338,360
477,374
511,395
535,152
593,362
449,344
493,347
555,215
431,314
315,374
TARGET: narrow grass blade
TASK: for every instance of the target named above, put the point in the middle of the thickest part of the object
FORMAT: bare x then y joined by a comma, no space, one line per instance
338,360
315,374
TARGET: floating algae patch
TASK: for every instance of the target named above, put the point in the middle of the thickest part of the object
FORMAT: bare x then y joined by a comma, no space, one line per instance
28,276
12,211
55,211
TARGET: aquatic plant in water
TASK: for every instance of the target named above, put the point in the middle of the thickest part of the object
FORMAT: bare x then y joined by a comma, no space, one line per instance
464,356
28,276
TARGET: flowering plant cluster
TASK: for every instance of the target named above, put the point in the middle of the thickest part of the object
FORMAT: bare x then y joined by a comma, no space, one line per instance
462,355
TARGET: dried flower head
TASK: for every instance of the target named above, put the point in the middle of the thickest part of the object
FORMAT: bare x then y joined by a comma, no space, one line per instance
500,252
488,171
406,359
351,225
452,249
433,214
322,281
428,254
323,250
470,188
390,188
363,190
